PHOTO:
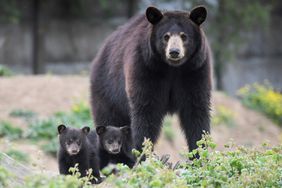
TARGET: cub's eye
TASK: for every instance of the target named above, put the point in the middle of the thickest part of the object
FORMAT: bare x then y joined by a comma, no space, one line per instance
110,141
166,37
183,36
78,142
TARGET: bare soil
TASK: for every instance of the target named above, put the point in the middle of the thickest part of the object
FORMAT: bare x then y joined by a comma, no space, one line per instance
48,94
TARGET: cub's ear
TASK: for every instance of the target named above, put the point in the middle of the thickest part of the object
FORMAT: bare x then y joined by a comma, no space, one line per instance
198,15
101,129
125,129
61,128
153,15
85,130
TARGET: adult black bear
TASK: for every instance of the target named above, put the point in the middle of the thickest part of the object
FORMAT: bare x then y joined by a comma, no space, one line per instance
75,148
155,64
113,145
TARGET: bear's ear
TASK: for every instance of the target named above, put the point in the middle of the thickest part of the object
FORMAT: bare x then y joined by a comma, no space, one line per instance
153,15
198,15
125,129
61,128
100,129
85,130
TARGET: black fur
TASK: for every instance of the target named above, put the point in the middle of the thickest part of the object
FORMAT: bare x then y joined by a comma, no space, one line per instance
133,83
86,157
114,134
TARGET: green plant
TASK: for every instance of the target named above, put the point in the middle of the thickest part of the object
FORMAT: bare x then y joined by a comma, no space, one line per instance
168,130
235,167
9,131
263,98
22,113
18,155
223,116
4,71
4,174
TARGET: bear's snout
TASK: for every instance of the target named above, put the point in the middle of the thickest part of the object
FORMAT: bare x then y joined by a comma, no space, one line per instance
174,52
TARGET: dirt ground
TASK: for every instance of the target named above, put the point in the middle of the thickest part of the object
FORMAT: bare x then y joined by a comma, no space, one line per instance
48,94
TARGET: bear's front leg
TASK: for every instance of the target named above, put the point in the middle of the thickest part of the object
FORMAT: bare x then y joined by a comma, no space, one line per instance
195,117
147,109
146,123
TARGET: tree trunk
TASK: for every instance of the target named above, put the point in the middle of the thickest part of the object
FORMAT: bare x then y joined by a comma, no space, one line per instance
219,69
131,7
218,55
37,40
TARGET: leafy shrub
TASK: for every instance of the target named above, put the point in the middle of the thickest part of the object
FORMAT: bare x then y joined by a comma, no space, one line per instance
235,167
18,155
27,114
238,167
168,130
4,174
4,71
223,116
264,99
9,131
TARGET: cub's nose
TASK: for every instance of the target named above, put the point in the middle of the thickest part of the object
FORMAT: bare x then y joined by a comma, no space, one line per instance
116,150
174,52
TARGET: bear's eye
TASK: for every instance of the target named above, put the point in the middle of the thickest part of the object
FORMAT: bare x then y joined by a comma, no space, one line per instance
110,141
166,37
78,142
183,36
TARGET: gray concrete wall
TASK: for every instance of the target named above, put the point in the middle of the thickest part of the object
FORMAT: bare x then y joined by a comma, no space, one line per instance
65,44
258,60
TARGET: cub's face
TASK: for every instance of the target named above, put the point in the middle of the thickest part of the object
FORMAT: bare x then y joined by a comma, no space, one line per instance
176,35
111,138
71,139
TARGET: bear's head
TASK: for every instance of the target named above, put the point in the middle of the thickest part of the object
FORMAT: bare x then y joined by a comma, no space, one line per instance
176,35
72,139
111,138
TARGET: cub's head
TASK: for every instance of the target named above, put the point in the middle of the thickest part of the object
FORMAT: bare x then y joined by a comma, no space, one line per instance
176,35
111,138
72,139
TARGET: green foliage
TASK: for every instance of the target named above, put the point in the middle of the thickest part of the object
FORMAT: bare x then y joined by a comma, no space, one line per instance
235,167
10,12
5,71
18,155
22,113
168,130
239,167
45,130
4,174
9,131
264,99
223,116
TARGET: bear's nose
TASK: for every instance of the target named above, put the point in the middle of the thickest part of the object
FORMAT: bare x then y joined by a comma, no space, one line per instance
174,52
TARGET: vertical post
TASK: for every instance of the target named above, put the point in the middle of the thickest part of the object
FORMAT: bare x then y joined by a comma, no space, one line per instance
131,7
37,63
219,66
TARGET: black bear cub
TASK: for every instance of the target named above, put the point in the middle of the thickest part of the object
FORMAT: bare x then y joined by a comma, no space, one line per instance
115,145
75,147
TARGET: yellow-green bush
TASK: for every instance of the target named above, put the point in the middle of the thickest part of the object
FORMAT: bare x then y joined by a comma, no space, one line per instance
263,98
223,116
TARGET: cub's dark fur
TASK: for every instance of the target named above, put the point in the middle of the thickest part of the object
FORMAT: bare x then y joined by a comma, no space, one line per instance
112,145
75,147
